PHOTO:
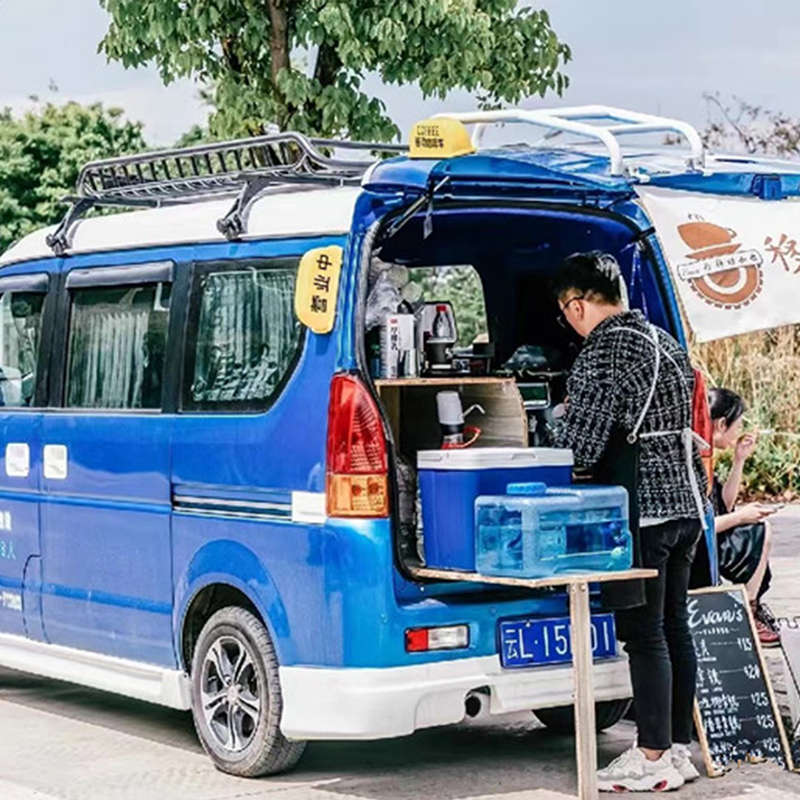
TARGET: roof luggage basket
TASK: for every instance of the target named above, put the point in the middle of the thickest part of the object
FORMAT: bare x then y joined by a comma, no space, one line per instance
245,168
604,124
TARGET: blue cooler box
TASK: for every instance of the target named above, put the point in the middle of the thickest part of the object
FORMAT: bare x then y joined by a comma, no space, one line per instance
451,480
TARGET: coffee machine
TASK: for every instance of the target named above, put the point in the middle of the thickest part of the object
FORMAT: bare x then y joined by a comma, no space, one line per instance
437,336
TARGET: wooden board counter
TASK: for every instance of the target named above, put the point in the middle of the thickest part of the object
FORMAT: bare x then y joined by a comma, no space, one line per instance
581,624
428,573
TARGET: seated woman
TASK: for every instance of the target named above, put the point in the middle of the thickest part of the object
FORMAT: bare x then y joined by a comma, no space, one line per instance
743,534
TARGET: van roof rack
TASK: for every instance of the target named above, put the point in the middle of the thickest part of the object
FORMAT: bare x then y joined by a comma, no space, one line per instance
244,167
604,124
247,167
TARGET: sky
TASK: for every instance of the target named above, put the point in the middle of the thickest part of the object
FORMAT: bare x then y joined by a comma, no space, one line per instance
658,57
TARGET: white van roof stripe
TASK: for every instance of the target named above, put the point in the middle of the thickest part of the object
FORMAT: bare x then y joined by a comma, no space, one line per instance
287,214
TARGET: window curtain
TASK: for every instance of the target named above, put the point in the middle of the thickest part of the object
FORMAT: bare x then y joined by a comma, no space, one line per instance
247,335
109,355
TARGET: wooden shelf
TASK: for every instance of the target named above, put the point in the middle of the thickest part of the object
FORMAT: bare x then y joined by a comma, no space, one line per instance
448,380
410,405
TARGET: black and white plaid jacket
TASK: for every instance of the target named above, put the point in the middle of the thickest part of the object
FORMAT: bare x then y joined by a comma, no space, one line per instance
609,384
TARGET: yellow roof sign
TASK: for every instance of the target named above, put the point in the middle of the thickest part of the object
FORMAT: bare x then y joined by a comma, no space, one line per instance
317,288
441,137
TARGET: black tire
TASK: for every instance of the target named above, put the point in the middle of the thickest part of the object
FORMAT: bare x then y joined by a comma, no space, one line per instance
235,668
562,719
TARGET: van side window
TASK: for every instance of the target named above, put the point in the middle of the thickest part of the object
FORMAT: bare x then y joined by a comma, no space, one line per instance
20,332
117,346
243,334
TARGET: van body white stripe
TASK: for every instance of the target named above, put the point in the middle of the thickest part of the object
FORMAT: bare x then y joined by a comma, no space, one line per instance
165,687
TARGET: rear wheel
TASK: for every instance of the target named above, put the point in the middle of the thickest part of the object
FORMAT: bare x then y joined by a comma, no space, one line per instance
236,697
562,719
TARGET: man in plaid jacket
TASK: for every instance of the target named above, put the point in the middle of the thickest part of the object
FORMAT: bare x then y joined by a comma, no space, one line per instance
633,378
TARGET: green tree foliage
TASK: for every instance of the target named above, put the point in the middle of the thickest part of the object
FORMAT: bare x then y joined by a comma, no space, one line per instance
300,64
41,154
460,286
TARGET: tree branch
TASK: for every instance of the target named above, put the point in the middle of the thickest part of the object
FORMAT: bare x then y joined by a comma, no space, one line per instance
745,139
328,65
279,37
231,58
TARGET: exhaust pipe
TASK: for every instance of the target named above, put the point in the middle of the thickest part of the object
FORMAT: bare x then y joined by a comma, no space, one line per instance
473,704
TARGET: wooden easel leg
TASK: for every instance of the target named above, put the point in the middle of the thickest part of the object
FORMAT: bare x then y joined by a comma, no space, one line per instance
585,732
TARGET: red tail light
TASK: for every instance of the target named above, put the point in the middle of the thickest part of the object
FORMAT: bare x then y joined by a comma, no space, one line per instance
702,424
421,640
357,482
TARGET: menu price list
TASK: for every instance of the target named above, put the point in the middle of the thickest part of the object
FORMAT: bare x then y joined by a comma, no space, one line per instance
795,747
733,697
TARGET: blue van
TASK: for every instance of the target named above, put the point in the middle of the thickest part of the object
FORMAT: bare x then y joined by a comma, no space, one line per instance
200,488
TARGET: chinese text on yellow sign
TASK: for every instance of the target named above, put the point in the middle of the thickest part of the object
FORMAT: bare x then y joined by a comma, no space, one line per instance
318,288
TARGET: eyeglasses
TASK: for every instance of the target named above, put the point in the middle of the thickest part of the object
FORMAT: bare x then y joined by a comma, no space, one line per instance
562,314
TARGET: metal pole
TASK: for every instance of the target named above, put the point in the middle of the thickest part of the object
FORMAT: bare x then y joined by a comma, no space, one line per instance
585,732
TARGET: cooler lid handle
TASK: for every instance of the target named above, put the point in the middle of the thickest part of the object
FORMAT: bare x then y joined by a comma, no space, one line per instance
533,489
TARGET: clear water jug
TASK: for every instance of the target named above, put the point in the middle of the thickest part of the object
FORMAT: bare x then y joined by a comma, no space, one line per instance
537,532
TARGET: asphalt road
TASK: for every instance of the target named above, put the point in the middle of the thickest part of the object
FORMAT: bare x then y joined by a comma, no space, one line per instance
62,741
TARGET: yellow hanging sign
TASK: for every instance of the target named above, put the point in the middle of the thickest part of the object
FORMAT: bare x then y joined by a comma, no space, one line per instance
441,137
318,287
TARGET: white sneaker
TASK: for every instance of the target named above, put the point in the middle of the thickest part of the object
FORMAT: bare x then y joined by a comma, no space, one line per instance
682,761
632,772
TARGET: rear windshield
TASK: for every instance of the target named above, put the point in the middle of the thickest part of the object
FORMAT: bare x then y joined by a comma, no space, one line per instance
461,286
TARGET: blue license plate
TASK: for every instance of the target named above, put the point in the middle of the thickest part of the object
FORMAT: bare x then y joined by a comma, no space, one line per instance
533,642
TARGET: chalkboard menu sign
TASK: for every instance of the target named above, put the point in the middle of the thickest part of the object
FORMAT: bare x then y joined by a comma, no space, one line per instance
735,711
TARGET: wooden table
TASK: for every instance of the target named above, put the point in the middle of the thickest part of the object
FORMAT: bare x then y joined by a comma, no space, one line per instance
581,633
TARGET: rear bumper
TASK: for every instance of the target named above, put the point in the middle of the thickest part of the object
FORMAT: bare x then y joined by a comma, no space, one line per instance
321,703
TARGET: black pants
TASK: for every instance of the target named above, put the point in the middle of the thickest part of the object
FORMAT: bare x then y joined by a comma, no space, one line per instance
657,638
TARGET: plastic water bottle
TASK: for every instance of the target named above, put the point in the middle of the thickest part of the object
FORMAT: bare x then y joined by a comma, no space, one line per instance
441,328
537,532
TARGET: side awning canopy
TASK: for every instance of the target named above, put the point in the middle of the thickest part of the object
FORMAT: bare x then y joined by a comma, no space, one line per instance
735,261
